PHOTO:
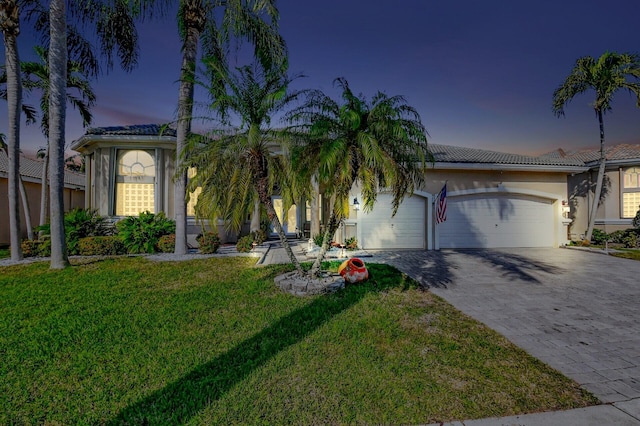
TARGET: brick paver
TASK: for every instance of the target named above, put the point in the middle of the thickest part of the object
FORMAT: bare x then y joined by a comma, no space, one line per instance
577,311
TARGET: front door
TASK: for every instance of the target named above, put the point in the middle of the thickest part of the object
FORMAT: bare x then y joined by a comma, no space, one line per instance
288,219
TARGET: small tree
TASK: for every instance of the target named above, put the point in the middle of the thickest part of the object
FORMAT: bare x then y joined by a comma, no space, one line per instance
636,220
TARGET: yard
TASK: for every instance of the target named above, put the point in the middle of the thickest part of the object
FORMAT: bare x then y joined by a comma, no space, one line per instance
130,341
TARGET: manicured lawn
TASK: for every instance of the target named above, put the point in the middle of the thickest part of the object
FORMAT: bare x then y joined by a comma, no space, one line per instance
130,341
628,254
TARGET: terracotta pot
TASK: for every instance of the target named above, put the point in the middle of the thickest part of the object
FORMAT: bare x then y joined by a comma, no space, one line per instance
353,270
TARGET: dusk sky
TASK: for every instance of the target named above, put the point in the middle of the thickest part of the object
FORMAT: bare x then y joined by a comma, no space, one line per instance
481,74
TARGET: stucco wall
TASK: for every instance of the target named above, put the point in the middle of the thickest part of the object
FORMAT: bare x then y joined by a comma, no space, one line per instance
72,198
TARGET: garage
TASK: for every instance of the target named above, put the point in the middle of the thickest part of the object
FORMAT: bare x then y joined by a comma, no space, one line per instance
493,221
406,230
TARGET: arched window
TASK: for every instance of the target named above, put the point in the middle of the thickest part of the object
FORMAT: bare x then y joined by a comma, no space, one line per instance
135,182
630,192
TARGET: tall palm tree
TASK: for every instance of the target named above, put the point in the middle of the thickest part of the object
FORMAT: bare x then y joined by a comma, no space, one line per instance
236,166
376,144
252,20
606,75
31,116
115,28
79,95
10,27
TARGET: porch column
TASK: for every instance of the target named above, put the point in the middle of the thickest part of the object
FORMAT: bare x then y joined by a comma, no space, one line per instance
314,218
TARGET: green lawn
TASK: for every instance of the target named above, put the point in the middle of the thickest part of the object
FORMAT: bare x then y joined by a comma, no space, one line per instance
4,253
628,254
130,341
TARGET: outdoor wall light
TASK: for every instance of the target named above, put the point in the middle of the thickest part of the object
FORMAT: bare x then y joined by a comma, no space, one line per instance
356,204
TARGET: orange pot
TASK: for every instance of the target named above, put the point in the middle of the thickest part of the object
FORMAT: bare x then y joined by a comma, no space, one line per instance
353,270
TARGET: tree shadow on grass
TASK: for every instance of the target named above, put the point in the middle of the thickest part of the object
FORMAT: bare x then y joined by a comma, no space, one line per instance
512,266
179,401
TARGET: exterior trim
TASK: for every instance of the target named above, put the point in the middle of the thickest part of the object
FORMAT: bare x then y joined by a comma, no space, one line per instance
510,167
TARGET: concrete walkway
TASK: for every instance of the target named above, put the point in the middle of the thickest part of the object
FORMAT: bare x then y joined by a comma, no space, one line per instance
577,311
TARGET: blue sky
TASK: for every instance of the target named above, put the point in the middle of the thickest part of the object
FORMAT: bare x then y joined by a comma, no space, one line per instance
481,74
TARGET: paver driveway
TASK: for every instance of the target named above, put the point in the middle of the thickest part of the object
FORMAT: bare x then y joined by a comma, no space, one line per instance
577,311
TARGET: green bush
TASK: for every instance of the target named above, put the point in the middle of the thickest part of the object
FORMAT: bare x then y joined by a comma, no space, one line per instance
140,234
167,243
628,237
245,244
101,246
36,248
318,239
259,236
636,220
80,223
599,237
351,243
209,242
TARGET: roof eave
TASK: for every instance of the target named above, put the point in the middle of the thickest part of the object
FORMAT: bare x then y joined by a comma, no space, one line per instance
87,142
510,167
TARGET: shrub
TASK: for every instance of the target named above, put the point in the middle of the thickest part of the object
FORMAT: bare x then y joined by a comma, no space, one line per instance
80,223
36,248
636,220
140,234
259,236
209,242
167,243
318,239
101,246
628,237
351,243
599,237
245,244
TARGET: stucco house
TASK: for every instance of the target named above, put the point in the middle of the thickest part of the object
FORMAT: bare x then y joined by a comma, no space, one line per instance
620,199
494,199
31,172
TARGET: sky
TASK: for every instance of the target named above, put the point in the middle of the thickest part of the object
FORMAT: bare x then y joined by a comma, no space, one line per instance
481,74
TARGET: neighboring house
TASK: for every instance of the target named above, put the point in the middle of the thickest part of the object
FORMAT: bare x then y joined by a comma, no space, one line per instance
494,199
31,172
620,198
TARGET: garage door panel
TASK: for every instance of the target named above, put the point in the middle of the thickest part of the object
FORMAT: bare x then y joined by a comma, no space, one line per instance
497,222
378,230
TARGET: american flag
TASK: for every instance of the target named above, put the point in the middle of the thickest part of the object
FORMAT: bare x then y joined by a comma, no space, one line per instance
441,205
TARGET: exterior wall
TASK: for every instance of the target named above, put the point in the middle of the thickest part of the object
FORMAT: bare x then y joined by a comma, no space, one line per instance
73,198
608,217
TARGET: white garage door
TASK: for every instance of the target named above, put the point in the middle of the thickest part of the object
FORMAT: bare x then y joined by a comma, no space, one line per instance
378,230
497,221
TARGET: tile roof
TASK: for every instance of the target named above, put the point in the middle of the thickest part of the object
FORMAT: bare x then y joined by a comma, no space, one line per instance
457,154
135,130
33,169
589,155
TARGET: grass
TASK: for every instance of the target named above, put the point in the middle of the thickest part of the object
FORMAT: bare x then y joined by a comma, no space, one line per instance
628,254
4,253
129,341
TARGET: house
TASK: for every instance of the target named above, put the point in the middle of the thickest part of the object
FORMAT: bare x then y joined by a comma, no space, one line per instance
494,199
620,199
31,172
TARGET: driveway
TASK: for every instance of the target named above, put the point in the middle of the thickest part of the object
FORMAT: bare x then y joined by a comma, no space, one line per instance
577,311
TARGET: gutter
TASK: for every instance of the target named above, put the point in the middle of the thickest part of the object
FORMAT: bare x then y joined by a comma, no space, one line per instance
510,167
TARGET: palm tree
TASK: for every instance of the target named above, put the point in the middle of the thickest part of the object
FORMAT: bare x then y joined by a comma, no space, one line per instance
376,144
606,75
242,19
114,26
236,166
10,26
79,94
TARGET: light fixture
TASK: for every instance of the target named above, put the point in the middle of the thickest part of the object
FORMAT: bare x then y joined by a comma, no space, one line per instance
356,204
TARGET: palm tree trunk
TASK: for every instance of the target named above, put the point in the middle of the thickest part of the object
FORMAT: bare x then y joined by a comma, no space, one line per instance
599,181
14,100
194,22
57,112
261,185
255,217
25,208
44,200
329,232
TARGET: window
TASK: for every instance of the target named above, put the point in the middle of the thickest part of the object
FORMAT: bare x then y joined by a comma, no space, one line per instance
135,182
630,192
